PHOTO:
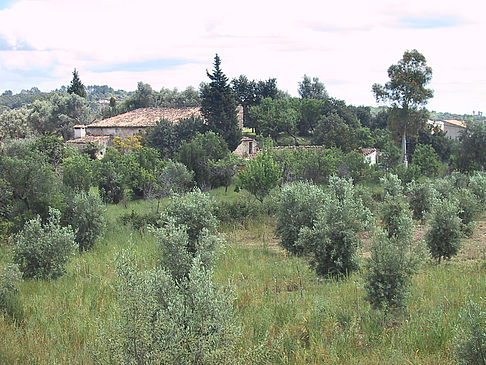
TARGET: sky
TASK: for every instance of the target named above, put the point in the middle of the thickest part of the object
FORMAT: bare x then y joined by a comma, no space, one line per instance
347,44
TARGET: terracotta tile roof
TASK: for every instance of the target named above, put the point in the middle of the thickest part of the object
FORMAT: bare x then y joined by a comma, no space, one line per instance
458,123
89,139
368,151
147,117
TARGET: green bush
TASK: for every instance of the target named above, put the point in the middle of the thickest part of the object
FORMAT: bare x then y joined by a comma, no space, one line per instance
85,214
426,159
470,342
297,207
389,270
260,175
9,302
5,229
174,178
444,235
163,321
42,250
332,241
469,210
444,187
78,172
407,174
422,197
110,183
194,210
140,221
477,184
197,153
239,210
397,217
179,251
392,185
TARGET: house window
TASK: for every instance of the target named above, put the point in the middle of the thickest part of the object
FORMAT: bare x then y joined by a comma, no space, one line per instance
250,148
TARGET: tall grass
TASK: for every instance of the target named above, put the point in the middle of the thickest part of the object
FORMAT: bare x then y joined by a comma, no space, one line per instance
313,321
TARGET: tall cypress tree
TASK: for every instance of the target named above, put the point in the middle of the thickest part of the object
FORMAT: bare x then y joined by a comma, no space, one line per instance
218,106
76,86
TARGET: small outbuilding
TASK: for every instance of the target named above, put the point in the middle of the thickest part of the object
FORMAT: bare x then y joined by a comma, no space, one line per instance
247,148
370,155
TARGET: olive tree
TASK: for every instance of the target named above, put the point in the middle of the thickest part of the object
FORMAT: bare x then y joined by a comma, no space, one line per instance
390,267
297,207
332,241
42,250
444,236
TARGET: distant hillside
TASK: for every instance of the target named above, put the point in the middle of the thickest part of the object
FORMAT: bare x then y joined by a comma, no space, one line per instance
9,100
467,117
433,115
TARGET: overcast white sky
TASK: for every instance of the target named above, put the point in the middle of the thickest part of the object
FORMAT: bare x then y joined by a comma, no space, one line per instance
348,44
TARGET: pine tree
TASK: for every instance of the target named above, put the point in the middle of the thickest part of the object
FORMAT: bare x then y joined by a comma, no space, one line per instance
219,106
76,86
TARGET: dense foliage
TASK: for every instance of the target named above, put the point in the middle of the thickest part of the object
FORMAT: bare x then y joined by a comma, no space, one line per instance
10,277
332,241
42,250
393,261
444,235
218,106
85,214
470,346
174,313
297,207
407,93
260,175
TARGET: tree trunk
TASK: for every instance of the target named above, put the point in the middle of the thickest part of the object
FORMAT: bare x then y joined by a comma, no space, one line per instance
404,148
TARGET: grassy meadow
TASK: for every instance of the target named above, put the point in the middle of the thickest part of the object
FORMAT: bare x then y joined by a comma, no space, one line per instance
277,297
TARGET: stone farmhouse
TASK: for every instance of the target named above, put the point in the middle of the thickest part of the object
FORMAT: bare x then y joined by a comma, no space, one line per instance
132,123
451,126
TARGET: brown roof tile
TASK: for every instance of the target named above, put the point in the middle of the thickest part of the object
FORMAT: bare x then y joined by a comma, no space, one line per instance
368,151
148,117
458,123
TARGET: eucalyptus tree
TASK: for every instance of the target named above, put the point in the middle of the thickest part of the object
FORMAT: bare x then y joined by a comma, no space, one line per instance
407,94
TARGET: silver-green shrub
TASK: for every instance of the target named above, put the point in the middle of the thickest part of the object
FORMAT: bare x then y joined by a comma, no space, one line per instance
9,279
332,242
193,210
422,197
85,214
162,321
174,178
390,267
444,236
477,184
42,250
469,210
397,217
178,251
297,207
470,341
392,185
